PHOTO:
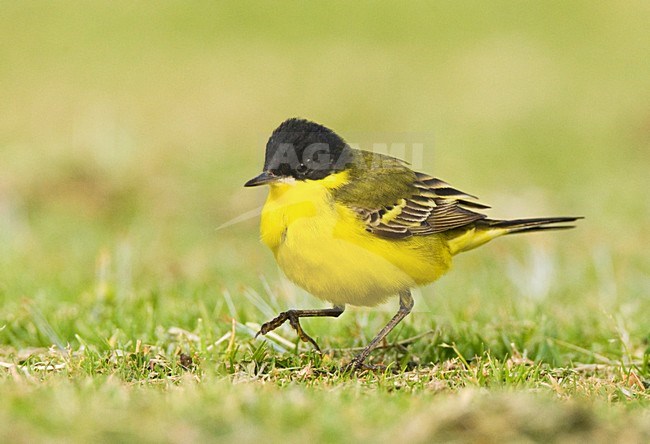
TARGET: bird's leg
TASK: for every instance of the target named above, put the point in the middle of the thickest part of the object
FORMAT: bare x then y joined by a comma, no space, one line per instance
405,306
293,316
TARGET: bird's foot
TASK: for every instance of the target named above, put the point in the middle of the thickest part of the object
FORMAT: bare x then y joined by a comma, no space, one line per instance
294,320
356,366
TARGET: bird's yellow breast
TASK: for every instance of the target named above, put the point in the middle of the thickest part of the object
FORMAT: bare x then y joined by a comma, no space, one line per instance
323,247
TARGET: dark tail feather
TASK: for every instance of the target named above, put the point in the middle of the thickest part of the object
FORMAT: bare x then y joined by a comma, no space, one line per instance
530,225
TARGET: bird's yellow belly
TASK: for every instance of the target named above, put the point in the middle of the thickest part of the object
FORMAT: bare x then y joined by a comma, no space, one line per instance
324,248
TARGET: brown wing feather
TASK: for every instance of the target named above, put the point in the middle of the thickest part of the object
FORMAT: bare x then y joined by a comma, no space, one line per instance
433,207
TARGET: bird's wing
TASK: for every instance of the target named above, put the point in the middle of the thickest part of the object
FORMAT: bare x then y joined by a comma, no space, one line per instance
430,206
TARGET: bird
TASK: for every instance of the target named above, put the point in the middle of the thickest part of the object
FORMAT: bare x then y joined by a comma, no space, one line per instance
356,227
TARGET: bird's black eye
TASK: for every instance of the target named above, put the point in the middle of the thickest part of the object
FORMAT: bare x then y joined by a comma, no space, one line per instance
302,168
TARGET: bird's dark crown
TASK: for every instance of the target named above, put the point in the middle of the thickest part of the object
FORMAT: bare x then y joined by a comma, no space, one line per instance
303,150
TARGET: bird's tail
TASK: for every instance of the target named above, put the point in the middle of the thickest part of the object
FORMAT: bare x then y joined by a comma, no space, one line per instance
485,230
528,225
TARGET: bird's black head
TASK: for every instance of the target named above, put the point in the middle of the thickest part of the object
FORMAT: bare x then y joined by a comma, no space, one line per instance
302,150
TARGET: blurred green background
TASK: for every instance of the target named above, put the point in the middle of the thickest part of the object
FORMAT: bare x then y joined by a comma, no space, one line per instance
128,128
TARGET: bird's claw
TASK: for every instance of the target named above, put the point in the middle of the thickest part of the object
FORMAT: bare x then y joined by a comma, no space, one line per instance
294,321
358,366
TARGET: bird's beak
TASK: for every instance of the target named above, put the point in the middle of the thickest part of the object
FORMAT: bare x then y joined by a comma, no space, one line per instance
262,179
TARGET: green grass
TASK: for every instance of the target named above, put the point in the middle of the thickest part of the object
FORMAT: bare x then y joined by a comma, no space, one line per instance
127,131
